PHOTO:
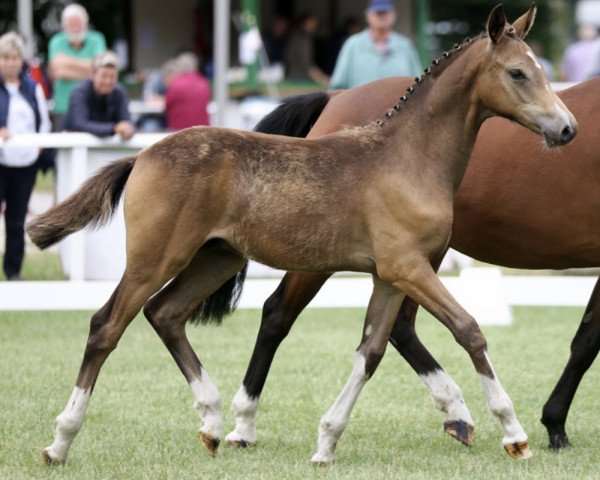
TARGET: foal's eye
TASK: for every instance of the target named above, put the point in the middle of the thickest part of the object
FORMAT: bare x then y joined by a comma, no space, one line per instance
517,74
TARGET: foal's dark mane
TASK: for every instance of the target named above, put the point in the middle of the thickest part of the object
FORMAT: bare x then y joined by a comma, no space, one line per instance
423,83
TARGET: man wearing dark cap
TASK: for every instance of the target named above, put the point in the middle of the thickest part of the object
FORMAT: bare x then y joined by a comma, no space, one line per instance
376,52
100,105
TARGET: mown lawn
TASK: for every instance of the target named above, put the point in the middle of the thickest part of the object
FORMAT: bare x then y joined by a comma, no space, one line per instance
141,424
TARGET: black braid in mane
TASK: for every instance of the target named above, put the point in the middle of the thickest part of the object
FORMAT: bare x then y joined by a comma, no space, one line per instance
438,66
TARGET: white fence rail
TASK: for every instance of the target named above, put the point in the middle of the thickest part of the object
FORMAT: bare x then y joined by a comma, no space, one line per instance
97,255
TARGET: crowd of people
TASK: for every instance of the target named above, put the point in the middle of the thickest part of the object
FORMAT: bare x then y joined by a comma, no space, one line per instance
87,97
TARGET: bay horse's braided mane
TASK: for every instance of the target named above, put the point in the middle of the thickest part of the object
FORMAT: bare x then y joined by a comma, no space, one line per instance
437,67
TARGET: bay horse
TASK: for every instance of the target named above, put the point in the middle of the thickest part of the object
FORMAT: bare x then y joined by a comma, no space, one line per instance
201,201
516,207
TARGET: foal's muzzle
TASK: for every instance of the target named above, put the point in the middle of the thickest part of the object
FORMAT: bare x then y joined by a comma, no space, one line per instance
562,137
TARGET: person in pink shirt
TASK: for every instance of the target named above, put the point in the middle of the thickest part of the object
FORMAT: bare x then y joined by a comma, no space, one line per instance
188,94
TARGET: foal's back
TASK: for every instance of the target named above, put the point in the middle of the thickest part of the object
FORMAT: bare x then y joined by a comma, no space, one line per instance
280,200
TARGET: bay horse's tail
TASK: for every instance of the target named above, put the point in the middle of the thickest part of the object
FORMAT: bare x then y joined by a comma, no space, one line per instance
294,118
92,205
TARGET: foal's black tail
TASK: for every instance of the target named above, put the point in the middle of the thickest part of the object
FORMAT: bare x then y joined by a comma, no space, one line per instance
293,118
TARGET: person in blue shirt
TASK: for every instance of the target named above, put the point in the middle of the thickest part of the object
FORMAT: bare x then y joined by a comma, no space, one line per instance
376,52
100,106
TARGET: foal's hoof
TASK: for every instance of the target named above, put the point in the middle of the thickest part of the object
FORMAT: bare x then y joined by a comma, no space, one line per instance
210,443
518,450
460,430
321,460
240,443
48,460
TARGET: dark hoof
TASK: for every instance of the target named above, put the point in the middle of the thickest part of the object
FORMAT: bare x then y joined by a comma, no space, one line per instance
460,430
49,461
211,444
518,450
558,442
241,443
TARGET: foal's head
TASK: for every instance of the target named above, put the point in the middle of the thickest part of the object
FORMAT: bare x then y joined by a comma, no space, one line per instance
512,82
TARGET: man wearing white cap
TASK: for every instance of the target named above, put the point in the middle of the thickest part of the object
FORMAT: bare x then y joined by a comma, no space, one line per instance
376,52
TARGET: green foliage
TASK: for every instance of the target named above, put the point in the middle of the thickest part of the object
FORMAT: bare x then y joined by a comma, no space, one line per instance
553,27
111,17
140,423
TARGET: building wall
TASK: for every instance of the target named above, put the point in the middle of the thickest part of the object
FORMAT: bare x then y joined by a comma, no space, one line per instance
160,29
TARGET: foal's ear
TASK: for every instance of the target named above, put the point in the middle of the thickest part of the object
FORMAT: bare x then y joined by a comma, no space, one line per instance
496,23
523,24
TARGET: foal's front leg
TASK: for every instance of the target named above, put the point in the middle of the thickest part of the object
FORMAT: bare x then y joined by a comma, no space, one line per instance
426,288
383,306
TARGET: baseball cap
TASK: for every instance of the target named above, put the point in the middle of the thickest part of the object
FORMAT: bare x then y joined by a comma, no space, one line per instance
106,59
380,6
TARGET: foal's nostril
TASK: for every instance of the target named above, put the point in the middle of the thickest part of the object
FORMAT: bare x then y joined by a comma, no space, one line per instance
567,133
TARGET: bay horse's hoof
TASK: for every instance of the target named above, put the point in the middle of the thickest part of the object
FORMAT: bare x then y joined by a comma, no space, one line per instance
210,443
558,442
460,430
518,450
48,460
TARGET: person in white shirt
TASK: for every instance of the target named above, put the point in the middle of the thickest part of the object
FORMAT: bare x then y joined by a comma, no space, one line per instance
23,109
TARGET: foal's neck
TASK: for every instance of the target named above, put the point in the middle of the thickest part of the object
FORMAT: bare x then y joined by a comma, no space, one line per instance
443,121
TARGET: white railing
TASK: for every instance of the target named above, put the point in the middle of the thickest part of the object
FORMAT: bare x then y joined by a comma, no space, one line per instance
79,155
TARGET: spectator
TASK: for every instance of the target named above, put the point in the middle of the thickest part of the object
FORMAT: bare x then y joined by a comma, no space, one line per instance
153,95
578,57
100,105
376,52
188,94
22,110
275,40
70,53
299,54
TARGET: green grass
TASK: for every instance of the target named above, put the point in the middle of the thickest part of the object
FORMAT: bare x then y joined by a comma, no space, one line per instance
38,265
141,424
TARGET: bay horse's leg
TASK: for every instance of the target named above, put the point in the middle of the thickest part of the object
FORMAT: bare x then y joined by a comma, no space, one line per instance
584,349
106,327
170,309
445,393
427,289
280,311
383,306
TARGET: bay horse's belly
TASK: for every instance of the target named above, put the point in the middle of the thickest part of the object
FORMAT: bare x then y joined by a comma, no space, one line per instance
524,206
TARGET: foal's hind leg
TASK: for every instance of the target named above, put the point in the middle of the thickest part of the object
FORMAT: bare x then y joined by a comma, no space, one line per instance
106,327
426,288
584,349
280,312
170,309
445,393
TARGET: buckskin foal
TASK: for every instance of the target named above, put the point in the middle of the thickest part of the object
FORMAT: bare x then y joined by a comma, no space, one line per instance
501,216
201,201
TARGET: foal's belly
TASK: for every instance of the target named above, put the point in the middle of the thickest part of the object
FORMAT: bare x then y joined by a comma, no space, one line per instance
312,250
